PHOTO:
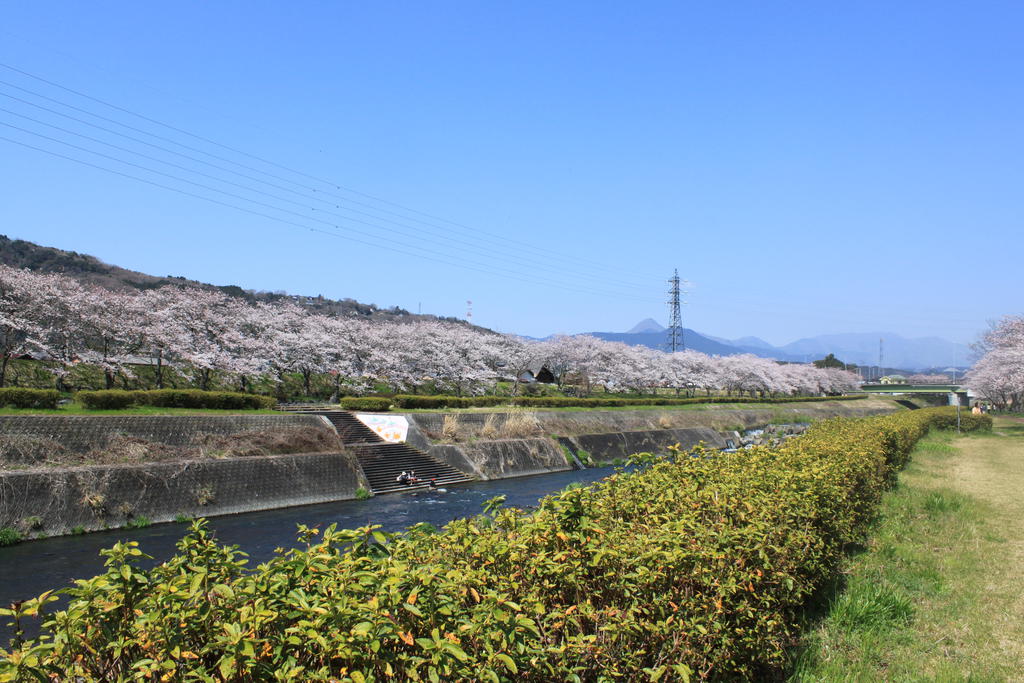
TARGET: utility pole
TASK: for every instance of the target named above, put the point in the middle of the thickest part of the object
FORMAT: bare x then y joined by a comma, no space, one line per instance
675,318
881,357
469,312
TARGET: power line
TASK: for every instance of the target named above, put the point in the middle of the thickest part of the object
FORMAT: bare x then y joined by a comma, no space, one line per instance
269,216
602,278
414,236
603,272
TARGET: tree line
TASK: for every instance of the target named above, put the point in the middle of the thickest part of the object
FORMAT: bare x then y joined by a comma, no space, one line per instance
207,335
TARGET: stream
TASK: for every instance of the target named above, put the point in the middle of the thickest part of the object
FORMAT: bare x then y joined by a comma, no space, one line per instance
32,567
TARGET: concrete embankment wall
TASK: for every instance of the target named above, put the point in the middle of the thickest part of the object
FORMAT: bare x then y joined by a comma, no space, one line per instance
603,435
98,497
502,459
507,458
616,445
51,500
81,433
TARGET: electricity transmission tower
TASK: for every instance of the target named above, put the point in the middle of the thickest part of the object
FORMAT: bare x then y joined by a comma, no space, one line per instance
675,318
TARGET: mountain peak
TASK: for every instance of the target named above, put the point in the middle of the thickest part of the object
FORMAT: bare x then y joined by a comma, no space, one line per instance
646,325
755,342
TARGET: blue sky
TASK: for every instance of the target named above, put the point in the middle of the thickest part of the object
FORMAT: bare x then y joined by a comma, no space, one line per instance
810,168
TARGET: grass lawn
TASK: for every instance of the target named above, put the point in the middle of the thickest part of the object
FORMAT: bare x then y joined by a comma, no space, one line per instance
571,409
938,592
586,409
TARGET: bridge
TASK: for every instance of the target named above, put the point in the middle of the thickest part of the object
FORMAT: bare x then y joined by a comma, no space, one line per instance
919,389
914,388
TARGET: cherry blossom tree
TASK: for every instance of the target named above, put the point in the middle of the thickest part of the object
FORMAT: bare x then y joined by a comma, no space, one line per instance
998,376
516,355
690,370
22,314
113,328
449,354
63,322
203,329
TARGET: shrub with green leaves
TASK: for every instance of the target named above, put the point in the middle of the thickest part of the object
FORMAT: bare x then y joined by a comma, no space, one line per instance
694,565
9,536
17,397
107,399
175,398
370,403
194,398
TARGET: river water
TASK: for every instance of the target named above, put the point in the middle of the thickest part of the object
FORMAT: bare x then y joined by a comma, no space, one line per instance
32,567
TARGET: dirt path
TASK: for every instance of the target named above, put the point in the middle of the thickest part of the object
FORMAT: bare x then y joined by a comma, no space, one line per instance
991,469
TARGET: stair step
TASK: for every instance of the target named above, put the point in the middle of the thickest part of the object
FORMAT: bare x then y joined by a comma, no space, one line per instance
382,461
382,468
350,429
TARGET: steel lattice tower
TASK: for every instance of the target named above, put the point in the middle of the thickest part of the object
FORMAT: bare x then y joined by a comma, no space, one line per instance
675,318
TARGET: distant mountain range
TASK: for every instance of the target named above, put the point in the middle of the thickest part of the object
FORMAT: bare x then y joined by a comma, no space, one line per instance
860,348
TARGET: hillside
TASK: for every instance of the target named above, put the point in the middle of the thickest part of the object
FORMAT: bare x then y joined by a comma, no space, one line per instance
90,270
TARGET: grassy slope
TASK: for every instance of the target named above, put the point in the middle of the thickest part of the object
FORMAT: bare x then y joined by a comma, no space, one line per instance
938,593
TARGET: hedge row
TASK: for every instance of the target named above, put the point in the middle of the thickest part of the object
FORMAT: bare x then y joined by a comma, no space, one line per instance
174,398
371,403
411,401
691,567
28,398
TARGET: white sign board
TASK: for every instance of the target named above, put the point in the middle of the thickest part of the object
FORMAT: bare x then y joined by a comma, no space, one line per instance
391,428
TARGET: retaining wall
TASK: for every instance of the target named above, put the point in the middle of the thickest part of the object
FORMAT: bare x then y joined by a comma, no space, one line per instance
573,422
57,501
604,435
608,447
505,458
80,433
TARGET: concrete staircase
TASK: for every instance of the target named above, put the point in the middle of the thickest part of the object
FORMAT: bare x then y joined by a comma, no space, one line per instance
350,429
382,462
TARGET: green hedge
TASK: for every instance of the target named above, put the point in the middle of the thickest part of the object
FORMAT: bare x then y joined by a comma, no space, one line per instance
968,421
174,398
413,401
374,404
695,565
109,399
191,398
29,398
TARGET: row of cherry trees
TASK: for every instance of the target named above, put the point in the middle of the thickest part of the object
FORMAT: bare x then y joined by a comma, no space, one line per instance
207,335
998,376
